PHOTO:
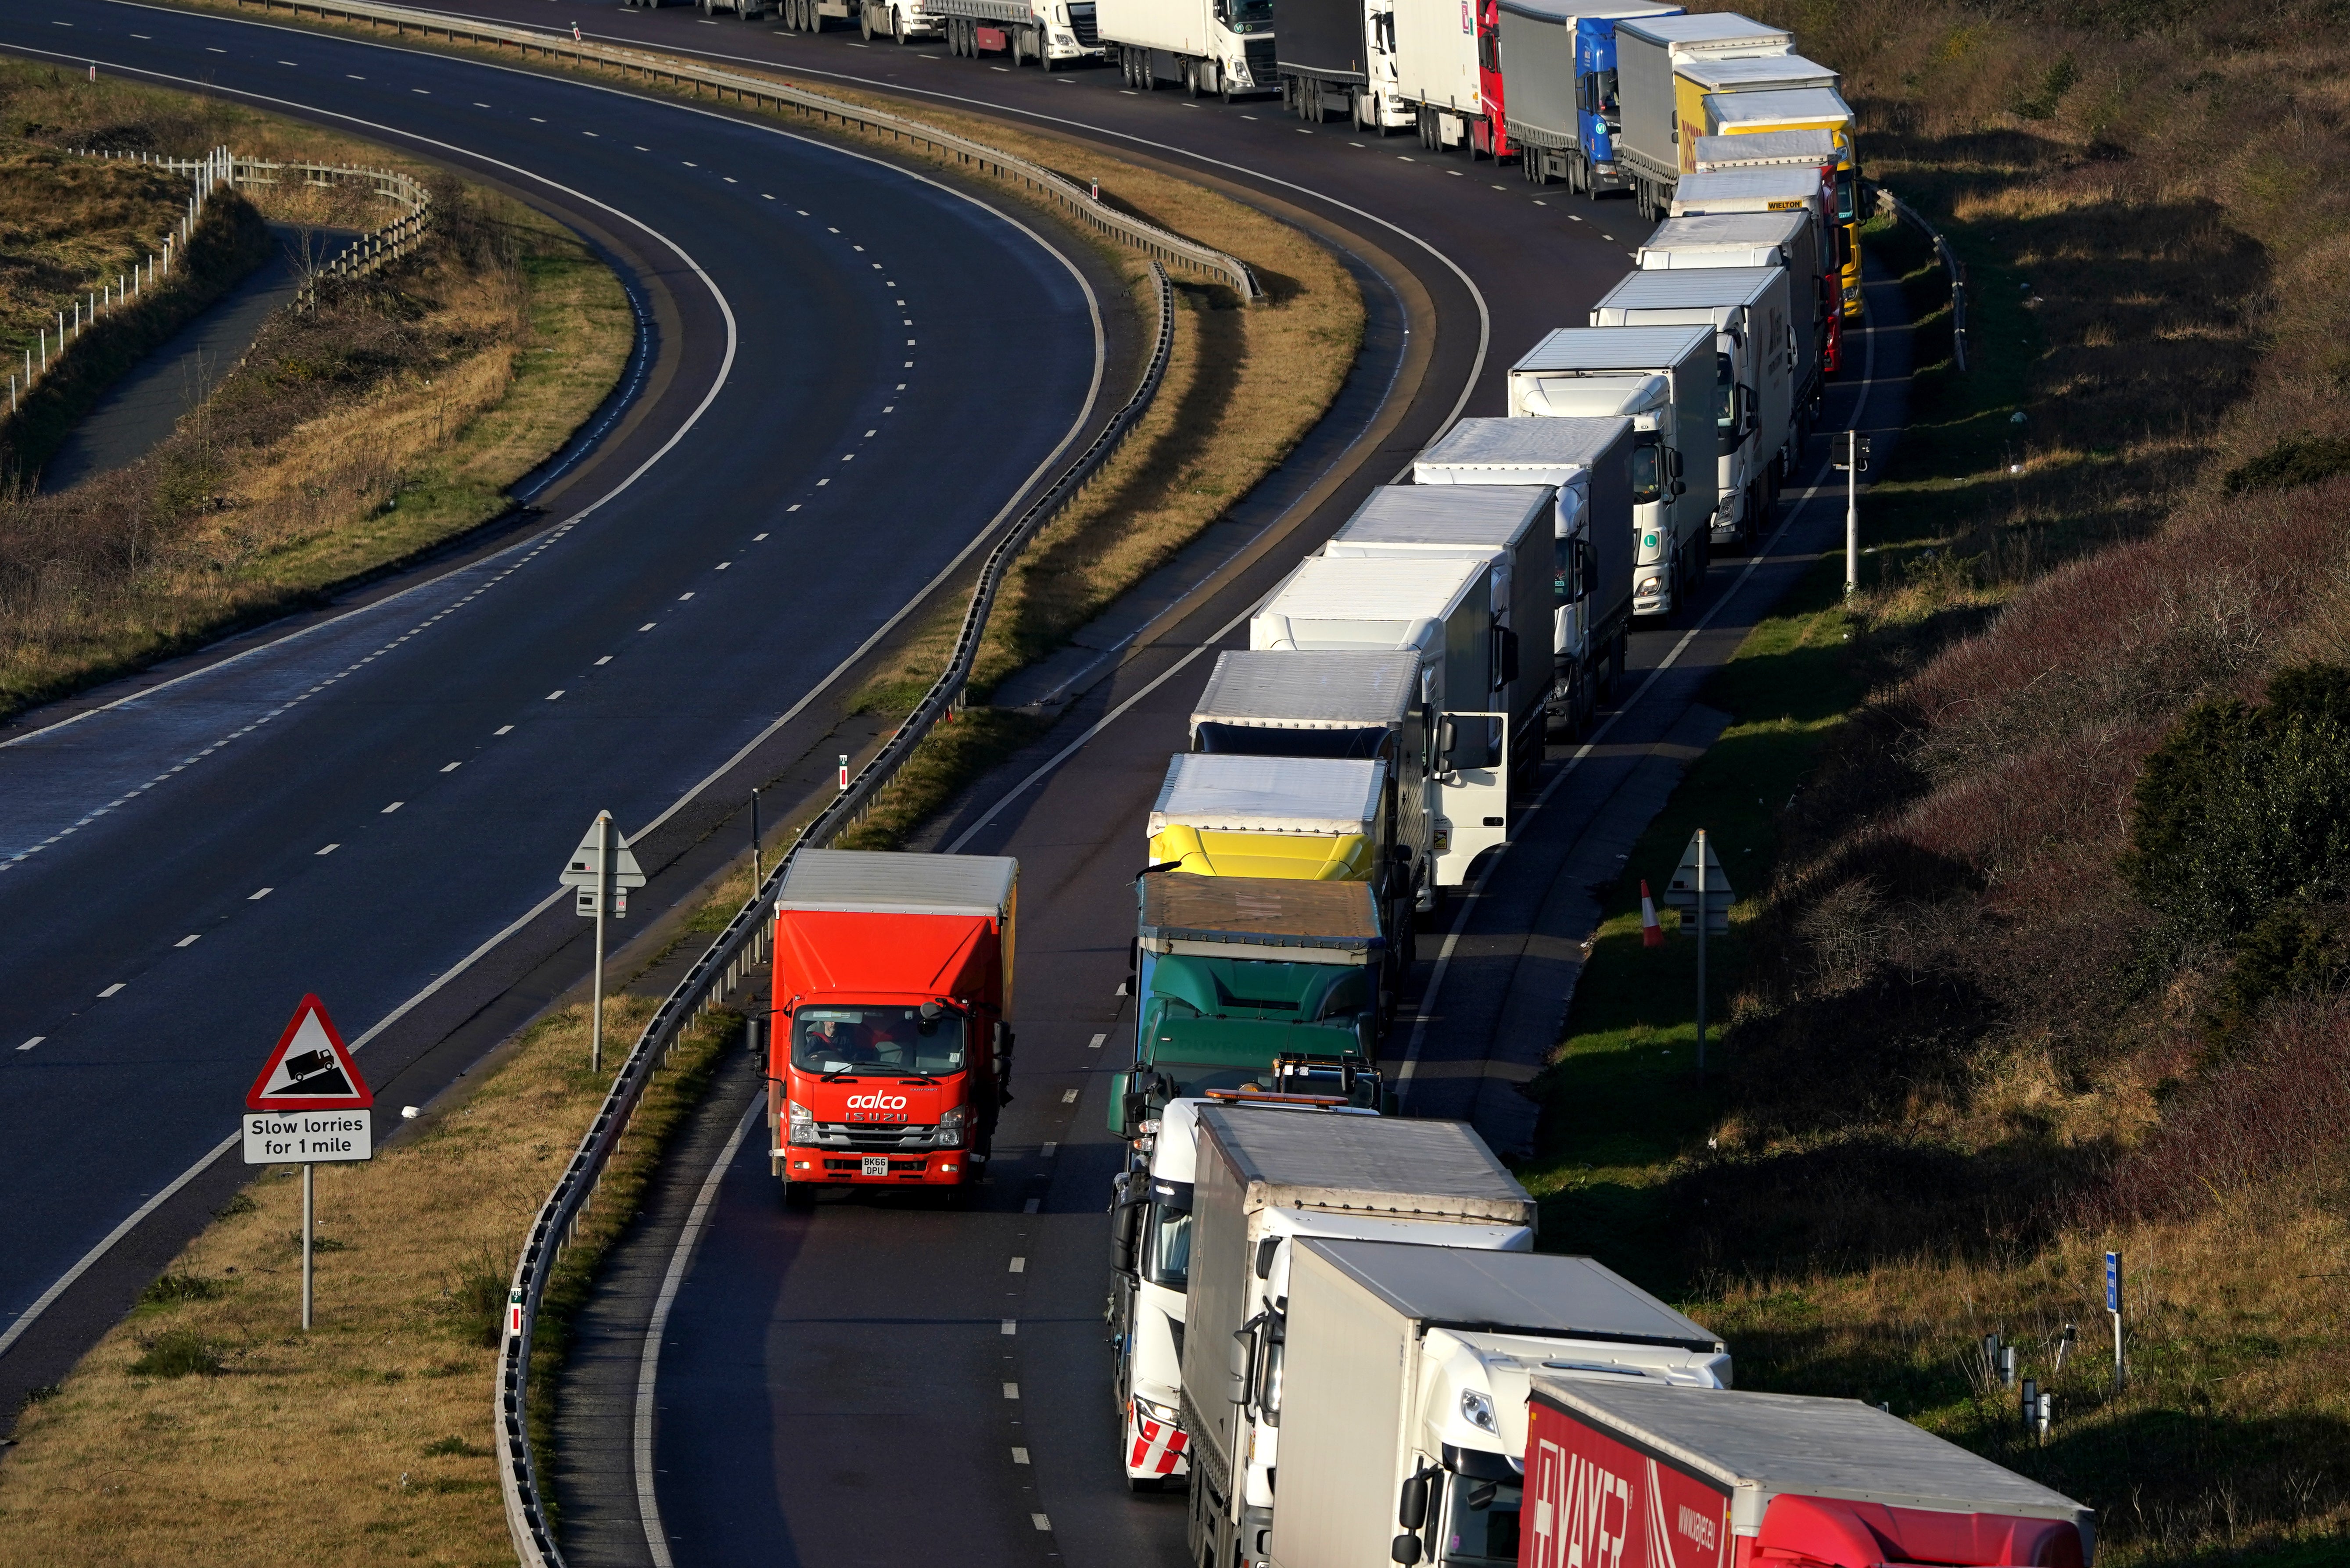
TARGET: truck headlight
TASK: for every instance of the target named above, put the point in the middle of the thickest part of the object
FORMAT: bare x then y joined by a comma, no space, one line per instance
803,1125
951,1126
1147,1410
1650,585
1477,1409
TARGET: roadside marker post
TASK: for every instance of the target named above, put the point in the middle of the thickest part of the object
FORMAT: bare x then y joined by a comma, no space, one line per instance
309,1106
1701,891
2114,1306
603,868
1855,464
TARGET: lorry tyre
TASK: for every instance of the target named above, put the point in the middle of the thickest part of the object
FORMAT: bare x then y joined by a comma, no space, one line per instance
864,21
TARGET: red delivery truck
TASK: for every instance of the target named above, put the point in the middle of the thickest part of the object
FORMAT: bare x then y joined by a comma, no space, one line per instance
1640,1475
891,1054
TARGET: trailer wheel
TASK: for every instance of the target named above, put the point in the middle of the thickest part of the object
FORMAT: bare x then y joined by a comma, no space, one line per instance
864,21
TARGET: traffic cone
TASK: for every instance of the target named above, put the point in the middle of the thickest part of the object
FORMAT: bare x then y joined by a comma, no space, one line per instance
1652,935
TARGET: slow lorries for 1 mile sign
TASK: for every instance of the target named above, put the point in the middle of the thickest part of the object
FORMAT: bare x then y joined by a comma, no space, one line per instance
309,1104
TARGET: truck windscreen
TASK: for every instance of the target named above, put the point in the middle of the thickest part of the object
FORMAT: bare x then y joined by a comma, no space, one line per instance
1480,1523
876,1039
1648,468
1268,740
1245,16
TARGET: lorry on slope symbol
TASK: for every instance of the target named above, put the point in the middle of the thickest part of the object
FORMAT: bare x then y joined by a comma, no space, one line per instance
1052,33
1262,1185
1211,48
1756,358
1442,609
1260,984
1662,379
1151,1263
1358,706
1589,460
1400,1392
1511,528
1738,1480
1552,75
1648,54
1791,240
891,1053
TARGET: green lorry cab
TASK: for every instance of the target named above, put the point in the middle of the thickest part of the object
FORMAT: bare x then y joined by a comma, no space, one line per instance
1251,984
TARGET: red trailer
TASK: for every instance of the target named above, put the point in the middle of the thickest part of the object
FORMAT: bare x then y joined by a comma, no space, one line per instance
891,1054
1646,1476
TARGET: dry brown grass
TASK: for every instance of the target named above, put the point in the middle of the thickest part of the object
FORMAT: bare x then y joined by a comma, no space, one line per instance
368,1439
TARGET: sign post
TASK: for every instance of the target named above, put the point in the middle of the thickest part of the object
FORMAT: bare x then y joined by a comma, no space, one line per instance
1702,892
308,1105
1855,464
603,868
2114,1306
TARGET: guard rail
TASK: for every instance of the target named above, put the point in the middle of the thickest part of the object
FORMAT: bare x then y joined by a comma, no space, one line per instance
1951,265
1081,202
738,950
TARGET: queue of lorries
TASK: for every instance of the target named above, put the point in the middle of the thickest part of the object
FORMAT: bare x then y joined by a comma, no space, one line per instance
1328,1321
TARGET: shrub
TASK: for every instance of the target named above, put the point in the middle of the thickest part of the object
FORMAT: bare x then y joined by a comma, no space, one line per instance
178,1352
477,1301
171,1290
2294,462
2243,806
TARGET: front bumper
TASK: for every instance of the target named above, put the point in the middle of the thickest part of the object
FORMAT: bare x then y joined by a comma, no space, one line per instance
1155,1450
803,1162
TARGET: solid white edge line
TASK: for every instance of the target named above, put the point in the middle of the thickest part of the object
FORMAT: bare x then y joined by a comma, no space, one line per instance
48,1297
648,1360
1427,1012
64,1280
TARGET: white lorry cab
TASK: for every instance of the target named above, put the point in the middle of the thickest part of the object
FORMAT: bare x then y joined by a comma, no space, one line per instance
1210,48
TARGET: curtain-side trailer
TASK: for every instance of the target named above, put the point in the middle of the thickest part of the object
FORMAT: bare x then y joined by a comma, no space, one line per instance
1648,54
1644,1477
1557,88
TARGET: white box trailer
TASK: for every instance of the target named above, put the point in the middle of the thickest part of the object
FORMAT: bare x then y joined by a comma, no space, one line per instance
1590,463
1790,239
1358,706
1756,361
1662,379
1052,33
1761,149
1656,117
1437,71
1736,1477
1261,1185
1510,528
1404,1380
1442,609
1218,48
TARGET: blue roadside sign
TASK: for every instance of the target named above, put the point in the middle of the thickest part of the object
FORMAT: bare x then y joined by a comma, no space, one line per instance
2113,1281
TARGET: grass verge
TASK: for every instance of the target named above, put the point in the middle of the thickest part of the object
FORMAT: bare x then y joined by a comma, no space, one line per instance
207,1428
389,418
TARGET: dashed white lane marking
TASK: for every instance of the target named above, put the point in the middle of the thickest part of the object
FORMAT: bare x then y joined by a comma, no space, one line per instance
1040,1522
559,691
648,626
756,537
395,806
1068,1096
453,767
1051,1150
1019,1265
1019,1456
110,990
330,848
553,536
503,730
189,940
1096,1043
1011,1325
1012,1391
35,1039
682,597
256,898
606,659
724,564
1032,1206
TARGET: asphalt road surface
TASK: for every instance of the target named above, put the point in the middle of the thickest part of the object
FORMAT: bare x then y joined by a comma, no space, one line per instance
880,1381
816,429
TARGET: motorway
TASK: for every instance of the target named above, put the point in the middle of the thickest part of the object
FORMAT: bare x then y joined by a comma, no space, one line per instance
374,808
874,1382
818,1371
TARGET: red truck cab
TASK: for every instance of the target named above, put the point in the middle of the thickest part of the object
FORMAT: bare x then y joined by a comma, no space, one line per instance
889,1056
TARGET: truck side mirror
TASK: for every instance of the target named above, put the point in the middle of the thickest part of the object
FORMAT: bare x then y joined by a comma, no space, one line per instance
1412,1508
1509,655
1120,1113
1679,488
1125,1234
1406,1548
1134,1109
1266,1251
1448,735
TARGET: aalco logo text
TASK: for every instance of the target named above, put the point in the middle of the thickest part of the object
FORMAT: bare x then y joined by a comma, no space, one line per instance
876,1102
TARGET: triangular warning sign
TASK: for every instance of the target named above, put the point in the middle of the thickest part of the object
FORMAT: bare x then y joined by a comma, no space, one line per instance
311,1070
1681,891
585,868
